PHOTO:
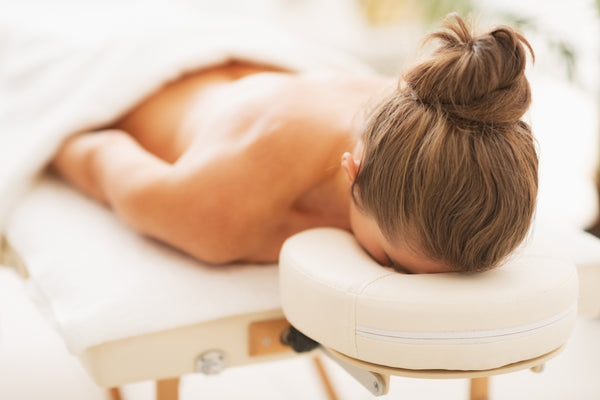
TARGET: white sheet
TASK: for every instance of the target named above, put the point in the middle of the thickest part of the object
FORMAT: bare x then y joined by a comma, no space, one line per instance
69,67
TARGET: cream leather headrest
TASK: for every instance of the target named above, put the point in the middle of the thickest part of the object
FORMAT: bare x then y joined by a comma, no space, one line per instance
333,292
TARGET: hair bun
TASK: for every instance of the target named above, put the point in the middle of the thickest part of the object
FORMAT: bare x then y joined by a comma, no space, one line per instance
475,78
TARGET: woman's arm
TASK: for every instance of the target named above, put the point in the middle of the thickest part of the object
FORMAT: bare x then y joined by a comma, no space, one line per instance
188,208
114,169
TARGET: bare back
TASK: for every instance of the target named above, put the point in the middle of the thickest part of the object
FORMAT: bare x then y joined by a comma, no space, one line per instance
254,156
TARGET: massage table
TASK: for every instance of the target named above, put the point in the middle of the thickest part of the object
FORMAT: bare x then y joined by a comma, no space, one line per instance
133,309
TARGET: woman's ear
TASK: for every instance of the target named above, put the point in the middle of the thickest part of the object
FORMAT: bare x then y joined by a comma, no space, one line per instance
350,166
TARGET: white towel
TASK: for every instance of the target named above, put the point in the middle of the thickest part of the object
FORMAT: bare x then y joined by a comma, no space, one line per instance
70,68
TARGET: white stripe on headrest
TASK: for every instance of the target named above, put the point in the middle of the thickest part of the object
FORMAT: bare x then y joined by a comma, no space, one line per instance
463,337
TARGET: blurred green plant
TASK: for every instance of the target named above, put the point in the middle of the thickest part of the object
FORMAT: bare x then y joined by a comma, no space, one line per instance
430,12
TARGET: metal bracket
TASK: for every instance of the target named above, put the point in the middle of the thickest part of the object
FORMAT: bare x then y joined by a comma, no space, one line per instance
264,337
374,382
211,362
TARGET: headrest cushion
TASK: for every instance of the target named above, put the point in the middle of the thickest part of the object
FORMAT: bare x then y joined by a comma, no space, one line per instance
333,292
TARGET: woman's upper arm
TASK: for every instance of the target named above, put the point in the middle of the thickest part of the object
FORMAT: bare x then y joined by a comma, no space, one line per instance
108,165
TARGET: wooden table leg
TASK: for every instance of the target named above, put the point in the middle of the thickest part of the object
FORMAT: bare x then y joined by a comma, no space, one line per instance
331,395
479,388
114,394
167,389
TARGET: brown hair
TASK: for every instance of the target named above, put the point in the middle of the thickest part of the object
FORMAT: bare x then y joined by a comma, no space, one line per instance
447,160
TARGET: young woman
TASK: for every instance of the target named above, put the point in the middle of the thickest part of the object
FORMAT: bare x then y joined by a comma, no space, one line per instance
433,173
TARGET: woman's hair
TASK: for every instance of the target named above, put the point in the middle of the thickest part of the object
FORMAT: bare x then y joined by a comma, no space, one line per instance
447,162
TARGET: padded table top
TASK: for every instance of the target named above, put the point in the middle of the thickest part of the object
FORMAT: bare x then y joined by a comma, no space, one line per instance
101,281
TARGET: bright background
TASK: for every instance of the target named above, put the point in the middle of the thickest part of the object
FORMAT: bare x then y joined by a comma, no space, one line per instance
34,365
